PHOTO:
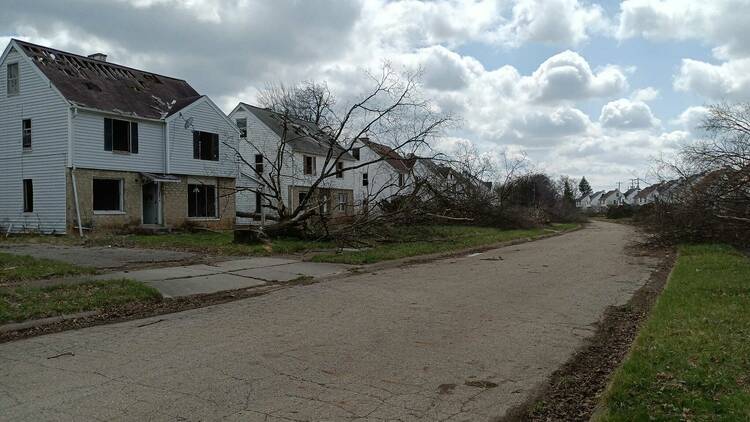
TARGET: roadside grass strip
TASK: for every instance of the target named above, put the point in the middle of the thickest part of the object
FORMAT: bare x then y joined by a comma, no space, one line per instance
691,359
24,267
23,302
422,240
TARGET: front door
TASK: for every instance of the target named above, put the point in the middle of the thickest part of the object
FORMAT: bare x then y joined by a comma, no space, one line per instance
151,203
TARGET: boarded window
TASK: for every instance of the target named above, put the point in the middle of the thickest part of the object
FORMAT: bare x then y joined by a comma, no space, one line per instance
365,179
202,201
28,195
13,85
205,146
120,135
355,153
309,164
26,133
339,170
107,195
242,126
259,163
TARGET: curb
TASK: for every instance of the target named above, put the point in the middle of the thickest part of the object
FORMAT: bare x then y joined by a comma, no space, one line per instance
34,323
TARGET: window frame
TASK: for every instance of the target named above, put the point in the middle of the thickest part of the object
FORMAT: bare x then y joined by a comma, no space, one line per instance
356,153
198,145
401,180
259,163
26,135
365,179
28,196
339,170
121,196
17,85
109,138
341,205
258,202
215,188
243,129
312,169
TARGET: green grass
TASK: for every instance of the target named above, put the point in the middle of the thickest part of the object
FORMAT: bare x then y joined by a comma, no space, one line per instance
23,303
211,242
691,360
441,239
23,267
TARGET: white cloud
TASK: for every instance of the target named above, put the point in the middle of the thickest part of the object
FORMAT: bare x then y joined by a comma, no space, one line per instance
624,114
729,80
691,119
646,94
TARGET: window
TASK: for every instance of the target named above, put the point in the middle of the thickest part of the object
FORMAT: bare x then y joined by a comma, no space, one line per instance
301,197
324,204
343,200
202,201
258,202
339,170
355,153
242,126
259,163
365,180
205,146
120,135
26,133
309,164
107,195
28,195
12,79
400,180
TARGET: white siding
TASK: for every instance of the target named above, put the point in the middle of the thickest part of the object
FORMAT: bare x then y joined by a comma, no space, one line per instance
207,119
382,179
45,163
88,141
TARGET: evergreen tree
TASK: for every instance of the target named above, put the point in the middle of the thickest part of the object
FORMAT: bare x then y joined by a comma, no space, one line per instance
568,196
583,187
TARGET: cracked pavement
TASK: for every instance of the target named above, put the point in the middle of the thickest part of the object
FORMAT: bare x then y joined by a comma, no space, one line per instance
452,340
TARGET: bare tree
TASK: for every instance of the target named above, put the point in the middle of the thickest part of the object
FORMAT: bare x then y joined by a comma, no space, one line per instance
392,110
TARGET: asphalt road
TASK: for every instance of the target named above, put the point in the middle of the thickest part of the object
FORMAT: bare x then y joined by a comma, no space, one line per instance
457,339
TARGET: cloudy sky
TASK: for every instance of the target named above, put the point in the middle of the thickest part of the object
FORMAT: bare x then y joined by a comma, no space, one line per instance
591,89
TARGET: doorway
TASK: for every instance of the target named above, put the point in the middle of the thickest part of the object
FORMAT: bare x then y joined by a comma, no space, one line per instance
151,201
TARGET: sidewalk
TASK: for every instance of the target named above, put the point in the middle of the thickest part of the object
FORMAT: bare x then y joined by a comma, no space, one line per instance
227,275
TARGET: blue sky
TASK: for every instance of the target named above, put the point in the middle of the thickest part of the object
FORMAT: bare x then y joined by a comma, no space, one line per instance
582,88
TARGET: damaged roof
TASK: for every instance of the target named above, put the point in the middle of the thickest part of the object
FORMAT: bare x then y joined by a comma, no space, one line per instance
110,87
399,163
306,137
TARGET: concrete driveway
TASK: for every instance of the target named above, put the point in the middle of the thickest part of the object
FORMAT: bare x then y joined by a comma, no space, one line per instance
461,339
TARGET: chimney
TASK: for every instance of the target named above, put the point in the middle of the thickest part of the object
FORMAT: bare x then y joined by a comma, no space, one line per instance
98,56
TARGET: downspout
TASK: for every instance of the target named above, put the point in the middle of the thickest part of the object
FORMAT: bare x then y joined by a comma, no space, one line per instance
73,169
166,146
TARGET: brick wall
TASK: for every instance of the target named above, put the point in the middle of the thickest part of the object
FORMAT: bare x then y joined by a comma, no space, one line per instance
174,202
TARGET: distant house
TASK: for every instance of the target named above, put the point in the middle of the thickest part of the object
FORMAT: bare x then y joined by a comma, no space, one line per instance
92,144
298,160
647,195
629,196
611,198
594,200
584,201
389,174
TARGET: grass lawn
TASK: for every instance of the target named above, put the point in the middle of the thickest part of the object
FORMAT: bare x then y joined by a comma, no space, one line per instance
691,360
23,267
441,239
22,303
220,243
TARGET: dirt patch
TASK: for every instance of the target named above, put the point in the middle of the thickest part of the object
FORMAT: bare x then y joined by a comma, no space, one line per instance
573,391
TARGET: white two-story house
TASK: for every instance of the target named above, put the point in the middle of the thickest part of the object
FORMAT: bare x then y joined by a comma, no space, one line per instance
90,144
288,155
384,174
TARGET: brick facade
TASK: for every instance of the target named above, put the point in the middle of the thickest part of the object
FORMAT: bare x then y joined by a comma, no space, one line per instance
174,202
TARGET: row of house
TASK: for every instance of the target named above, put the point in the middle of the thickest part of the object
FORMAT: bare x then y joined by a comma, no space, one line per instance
91,144
665,191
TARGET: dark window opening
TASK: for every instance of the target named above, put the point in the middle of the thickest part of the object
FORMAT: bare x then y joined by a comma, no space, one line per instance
365,180
26,133
309,164
242,126
12,85
202,201
107,195
258,202
259,163
205,146
400,180
120,135
355,153
28,195
339,170
301,197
